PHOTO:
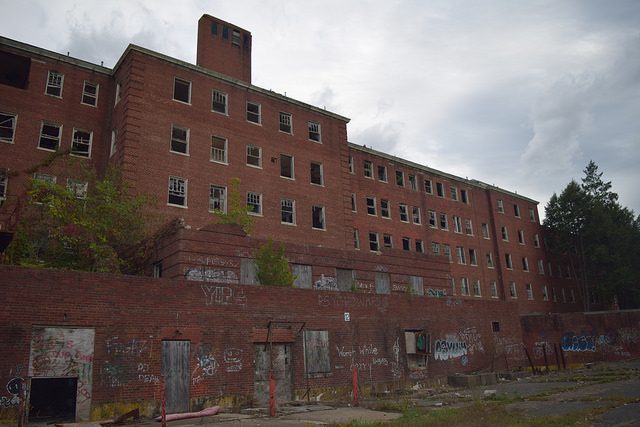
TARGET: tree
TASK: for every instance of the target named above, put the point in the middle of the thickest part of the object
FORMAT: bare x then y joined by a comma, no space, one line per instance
92,224
600,239
272,267
237,213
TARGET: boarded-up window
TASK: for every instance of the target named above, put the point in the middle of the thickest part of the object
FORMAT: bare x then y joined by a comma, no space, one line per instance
383,284
316,352
248,271
417,287
302,274
345,279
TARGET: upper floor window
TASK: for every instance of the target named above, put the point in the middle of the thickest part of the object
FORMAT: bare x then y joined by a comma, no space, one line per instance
493,286
500,205
118,94
179,139
254,156
512,290
50,134
55,82
90,93
351,168
356,239
457,224
454,192
529,289
516,210
485,230
217,199
182,90
374,245
508,261
540,266
371,205
114,142
78,188
314,132
368,168
235,37
525,263
489,257
461,255
406,243
536,240
387,240
468,227
288,211
253,112
220,102
316,173
415,213
285,123
400,178
317,217
443,221
432,218
440,189
521,237
7,127
428,186
473,257
505,233
177,191
354,207
464,196
218,149
412,183
477,289
286,166
382,173
4,184
435,248
81,143
419,246
385,210
404,214
532,215
254,203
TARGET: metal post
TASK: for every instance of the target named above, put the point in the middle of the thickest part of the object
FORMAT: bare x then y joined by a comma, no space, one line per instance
163,405
555,352
272,396
354,381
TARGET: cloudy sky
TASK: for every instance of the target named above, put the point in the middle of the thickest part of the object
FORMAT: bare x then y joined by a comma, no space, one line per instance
520,94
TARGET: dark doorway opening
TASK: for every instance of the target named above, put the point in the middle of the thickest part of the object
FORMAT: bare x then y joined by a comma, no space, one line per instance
53,399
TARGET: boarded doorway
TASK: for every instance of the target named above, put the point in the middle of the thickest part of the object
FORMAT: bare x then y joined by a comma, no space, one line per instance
175,369
53,399
281,370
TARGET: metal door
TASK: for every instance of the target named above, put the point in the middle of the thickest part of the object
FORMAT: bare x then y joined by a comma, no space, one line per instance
281,371
175,368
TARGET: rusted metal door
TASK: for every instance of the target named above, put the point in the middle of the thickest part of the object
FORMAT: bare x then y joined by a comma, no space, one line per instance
281,370
175,368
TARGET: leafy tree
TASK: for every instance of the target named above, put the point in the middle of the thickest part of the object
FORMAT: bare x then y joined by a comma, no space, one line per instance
100,229
272,266
600,238
237,212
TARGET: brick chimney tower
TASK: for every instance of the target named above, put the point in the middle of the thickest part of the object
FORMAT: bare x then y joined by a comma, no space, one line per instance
224,48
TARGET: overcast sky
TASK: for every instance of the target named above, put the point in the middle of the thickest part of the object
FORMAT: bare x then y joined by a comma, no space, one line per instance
520,94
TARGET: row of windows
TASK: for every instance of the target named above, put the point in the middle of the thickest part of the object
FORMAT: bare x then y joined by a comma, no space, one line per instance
476,288
50,135
55,85
516,210
220,104
387,242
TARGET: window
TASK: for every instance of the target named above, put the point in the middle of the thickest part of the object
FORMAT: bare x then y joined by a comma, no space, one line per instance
525,263
179,139
382,173
4,185
454,193
457,224
78,188
373,241
371,205
314,132
351,171
368,168
495,326
512,290
452,282
473,258
509,263
439,189
443,221
468,227
235,37
81,143
464,197
553,295
285,123
419,246
435,248
317,217
477,291
157,270
14,70
400,178
254,156
253,112
432,219
387,240
412,183
288,211
55,81
316,352
385,210
529,290
505,233
286,166
406,244
118,94
521,237
50,136
536,240
181,90
446,250
90,93
500,205
217,199
225,32
516,210
416,215
493,288
464,286
545,293
540,266
549,269
460,255
316,174
428,186
356,239
404,214
254,203
353,202
485,230
219,102
114,141
49,179
7,127
218,149
177,191
572,296
489,257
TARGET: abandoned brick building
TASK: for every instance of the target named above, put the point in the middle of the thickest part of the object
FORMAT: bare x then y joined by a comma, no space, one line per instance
366,233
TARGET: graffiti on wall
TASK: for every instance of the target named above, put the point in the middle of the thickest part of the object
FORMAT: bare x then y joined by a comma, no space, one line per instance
449,347
201,274
366,357
223,295
209,261
207,364
573,342
14,388
351,301
436,293
127,362
326,283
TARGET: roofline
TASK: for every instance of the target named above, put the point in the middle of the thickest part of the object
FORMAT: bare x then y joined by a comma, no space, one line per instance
470,182
54,55
230,80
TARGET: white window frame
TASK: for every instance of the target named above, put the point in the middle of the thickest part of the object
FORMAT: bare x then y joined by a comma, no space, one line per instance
433,219
254,203
457,224
508,261
453,191
287,158
468,227
254,159
354,204
374,242
356,239
435,248
416,215
399,178
477,288
464,286
219,102
545,293
57,139
473,257
351,166
500,205
385,208
114,142
323,218
8,125
288,207
525,264
493,289
4,185
413,183
178,140
215,152
428,186
286,123
88,95
178,187
513,290
253,114
439,189
367,169
78,188
55,84
541,267
460,255
219,199
444,220
489,258
521,237
505,233
406,243
381,171
389,238
419,246
315,132
77,142
321,173
118,94
529,289
446,251
404,212
516,210
371,205
485,231
177,80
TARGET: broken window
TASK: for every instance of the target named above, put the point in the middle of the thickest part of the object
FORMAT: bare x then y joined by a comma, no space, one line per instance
317,217
387,240
444,224
287,211
254,203
4,185
406,243
285,122
218,149
254,156
181,90
400,178
78,188
382,173
419,246
413,183
316,352
217,199
493,289
235,37
179,139
55,81
7,127
14,70
316,173
417,218
286,166
219,102
368,169
404,213
373,241
50,134
90,93
428,186
177,191
371,205
385,210
81,143
314,132
454,193
253,112
440,189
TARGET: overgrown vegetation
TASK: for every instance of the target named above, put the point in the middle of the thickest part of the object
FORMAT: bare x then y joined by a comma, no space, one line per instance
272,266
237,212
